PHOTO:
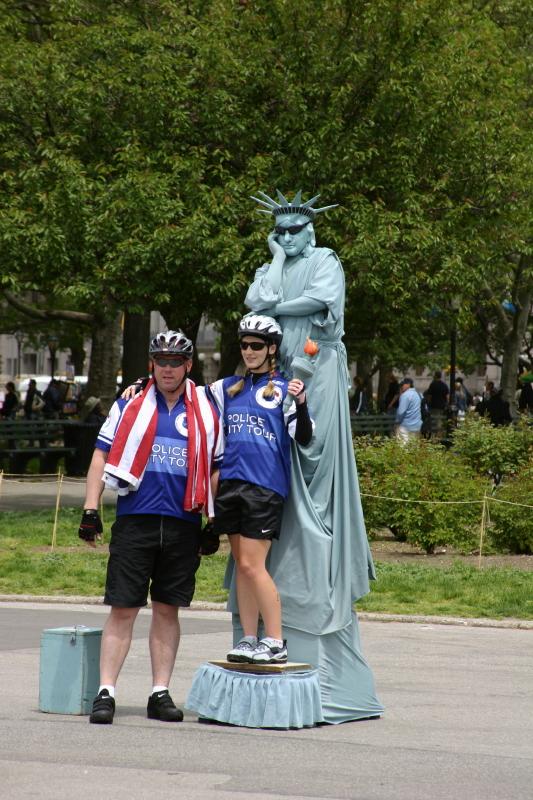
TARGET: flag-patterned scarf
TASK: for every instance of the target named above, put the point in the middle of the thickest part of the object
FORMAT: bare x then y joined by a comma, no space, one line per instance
132,445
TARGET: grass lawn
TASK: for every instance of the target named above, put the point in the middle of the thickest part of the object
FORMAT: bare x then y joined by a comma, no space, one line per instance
28,565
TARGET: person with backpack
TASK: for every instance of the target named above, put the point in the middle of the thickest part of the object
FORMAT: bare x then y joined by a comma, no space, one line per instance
408,415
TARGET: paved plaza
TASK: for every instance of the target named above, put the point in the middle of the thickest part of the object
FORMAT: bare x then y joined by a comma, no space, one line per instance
458,722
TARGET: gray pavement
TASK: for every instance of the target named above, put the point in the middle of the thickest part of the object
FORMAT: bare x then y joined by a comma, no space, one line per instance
458,722
29,492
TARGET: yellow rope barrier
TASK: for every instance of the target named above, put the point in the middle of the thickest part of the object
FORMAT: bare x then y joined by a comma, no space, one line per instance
430,502
509,503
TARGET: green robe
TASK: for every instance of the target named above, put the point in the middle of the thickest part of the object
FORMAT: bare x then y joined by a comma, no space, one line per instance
322,561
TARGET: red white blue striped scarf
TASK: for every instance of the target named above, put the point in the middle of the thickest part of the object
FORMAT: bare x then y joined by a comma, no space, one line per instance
133,439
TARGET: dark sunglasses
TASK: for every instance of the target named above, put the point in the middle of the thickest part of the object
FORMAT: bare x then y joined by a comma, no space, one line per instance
171,361
292,229
253,346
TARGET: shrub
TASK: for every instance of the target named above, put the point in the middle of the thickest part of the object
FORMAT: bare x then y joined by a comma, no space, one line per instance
512,526
490,450
421,471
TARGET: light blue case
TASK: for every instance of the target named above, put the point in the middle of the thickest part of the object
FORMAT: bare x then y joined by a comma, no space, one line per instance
69,674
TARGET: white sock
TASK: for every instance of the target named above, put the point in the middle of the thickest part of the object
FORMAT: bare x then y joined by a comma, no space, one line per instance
159,689
110,689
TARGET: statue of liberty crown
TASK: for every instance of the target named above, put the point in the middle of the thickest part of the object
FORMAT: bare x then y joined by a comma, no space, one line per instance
287,207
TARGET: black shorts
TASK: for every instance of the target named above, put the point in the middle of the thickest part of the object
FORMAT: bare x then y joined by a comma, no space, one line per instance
248,509
151,552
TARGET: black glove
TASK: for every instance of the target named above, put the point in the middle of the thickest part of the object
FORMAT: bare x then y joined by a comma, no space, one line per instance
90,525
209,540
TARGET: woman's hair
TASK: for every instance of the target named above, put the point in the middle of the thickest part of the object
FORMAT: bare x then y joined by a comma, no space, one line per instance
269,389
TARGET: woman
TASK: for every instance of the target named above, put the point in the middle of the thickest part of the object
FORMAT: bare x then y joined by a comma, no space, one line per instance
255,479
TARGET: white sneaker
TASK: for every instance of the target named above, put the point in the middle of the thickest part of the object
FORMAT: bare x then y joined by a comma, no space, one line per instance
268,651
242,652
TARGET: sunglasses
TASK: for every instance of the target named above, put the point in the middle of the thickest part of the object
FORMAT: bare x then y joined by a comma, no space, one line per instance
172,361
291,229
253,346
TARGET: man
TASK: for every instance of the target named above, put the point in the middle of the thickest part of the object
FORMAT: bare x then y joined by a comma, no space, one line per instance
156,451
525,400
408,415
497,409
437,395
53,403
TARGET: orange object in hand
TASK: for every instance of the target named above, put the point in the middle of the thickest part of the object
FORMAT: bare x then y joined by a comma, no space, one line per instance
311,347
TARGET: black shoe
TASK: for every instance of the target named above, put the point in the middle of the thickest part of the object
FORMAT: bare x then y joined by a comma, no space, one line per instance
103,708
161,706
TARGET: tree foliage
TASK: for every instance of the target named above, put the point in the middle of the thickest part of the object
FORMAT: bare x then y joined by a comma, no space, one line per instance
132,134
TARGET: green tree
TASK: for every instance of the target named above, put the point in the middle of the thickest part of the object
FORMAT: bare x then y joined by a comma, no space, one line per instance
132,134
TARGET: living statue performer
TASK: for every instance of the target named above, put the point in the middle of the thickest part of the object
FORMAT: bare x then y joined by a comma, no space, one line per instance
322,562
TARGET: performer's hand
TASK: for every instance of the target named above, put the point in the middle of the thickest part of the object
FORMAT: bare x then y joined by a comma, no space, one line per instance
91,528
275,248
134,388
296,388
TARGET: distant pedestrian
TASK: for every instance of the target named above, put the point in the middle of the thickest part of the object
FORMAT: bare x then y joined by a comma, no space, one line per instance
463,398
437,395
525,399
33,402
496,409
11,402
53,403
408,415
392,395
92,412
360,403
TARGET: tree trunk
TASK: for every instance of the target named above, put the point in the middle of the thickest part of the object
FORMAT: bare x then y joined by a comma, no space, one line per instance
512,347
105,359
190,329
135,341
385,371
230,353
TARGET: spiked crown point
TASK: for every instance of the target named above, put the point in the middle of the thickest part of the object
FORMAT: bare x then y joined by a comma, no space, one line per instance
270,206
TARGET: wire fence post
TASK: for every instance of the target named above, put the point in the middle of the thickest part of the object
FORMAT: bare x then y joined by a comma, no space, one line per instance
58,498
484,512
1,479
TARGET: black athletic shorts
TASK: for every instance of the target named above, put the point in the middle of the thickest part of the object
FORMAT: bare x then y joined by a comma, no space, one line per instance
248,509
151,552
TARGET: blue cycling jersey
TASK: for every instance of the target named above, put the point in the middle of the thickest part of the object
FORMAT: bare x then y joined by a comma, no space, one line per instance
162,488
257,432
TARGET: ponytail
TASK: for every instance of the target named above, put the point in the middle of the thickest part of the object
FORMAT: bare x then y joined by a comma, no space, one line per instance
237,387
269,389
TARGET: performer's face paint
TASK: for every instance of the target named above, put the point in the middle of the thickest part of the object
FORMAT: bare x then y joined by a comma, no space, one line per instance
293,233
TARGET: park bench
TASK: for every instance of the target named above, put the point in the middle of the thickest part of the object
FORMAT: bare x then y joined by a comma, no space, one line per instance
372,424
21,440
